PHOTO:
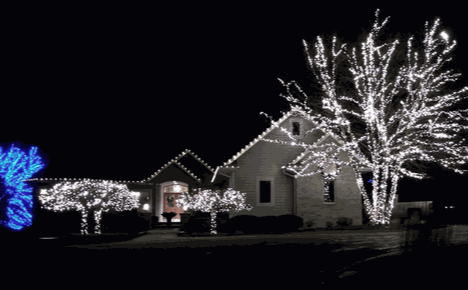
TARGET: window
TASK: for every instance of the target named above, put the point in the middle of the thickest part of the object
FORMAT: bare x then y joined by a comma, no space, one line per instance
265,191
296,128
144,201
329,191
175,188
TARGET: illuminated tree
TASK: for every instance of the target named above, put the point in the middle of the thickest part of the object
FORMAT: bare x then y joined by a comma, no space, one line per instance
213,201
89,195
391,112
16,198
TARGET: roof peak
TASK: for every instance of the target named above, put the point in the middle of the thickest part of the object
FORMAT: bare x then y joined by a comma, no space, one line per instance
176,159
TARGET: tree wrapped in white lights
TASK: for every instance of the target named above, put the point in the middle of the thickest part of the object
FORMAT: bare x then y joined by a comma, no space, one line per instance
89,195
393,113
213,201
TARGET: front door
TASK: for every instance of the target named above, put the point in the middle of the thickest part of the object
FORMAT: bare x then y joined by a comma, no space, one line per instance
170,204
171,193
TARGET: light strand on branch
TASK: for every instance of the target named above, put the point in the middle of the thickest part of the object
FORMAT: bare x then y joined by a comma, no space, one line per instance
213,201
87,195
378,128
16,196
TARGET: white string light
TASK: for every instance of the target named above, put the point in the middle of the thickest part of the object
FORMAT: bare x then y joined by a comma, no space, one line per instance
86,195
213,201
418,128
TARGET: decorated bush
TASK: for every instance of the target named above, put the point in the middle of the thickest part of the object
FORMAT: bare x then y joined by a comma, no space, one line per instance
89,197
213,202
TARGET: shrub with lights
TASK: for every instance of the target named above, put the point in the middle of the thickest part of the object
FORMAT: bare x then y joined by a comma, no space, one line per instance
89,195
16,196
390,117
213,202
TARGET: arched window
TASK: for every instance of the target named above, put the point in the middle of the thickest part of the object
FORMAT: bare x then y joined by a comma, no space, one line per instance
176,188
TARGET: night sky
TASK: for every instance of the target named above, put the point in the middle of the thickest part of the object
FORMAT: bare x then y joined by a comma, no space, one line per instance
117,92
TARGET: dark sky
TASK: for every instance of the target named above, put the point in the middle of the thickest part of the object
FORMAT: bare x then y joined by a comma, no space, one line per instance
116,92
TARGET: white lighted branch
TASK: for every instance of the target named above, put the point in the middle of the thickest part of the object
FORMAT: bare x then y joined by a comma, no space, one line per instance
213,201
400,103
87,195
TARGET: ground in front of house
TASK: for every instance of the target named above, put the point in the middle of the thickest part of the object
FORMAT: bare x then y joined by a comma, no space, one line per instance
316,256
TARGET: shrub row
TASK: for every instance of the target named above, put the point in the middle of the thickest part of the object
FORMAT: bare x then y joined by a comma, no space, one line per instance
62,223
123,222
344,221
248,224
340,222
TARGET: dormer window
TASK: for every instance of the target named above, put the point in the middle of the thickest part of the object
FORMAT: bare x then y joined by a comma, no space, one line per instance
296,128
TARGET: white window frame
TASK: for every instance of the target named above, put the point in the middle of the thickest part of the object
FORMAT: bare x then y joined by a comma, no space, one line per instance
148,201
301,127
272,191
334,194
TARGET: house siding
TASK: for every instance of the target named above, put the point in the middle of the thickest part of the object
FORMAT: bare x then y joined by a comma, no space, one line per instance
264,160
310,205
347,203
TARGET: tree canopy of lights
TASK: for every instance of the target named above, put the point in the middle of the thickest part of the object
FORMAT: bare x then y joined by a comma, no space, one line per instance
395,113
89,195
16,197
213,201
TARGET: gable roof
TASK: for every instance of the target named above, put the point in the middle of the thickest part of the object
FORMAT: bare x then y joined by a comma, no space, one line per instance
321,140
294,110
176,160
274,125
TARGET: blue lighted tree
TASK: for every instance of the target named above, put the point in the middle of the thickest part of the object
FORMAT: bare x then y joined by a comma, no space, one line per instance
16,197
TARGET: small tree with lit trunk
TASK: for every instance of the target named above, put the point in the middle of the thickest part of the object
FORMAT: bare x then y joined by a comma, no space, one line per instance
213,201
89,195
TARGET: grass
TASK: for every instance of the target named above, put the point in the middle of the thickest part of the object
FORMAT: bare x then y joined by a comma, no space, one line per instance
314,263
432,268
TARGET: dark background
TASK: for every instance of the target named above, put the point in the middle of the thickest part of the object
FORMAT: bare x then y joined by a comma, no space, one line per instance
115,92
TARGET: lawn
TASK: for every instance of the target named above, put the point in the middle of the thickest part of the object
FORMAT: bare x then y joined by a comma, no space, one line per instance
258,258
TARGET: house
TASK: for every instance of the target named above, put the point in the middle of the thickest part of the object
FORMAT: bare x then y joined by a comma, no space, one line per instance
265,172
159,191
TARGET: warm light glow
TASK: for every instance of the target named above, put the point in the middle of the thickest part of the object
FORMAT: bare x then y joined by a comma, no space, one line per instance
397,133
444,35
206,200
83,196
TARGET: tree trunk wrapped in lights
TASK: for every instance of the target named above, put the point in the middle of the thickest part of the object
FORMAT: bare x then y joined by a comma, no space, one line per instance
399,103
87,195
213,201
